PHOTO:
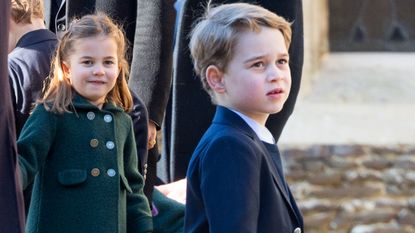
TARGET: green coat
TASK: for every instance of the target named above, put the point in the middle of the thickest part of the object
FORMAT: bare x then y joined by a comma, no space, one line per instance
85,170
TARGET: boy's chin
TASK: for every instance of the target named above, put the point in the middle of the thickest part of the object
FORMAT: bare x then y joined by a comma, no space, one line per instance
276,110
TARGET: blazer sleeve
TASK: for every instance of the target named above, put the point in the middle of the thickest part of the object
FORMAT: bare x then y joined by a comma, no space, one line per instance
34,143
230,179
151,66
138,211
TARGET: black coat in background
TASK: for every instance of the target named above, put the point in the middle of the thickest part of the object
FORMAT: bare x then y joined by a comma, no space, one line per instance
11,197
191,108
148,25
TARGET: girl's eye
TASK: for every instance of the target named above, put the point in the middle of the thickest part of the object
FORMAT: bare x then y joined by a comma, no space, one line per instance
258,64
109,62
87,62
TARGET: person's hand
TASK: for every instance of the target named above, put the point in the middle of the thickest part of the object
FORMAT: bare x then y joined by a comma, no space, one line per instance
175,190
152,135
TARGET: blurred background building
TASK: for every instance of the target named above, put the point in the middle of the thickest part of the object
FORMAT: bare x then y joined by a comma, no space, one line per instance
349,147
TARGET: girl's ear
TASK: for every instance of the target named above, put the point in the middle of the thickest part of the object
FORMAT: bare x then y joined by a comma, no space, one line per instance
65,68
214,77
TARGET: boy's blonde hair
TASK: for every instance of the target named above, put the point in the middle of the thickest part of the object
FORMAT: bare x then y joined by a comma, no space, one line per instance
59,93
215,35
22,11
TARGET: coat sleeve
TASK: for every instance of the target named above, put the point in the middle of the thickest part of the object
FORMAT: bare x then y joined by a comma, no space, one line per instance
151,66
34,143
138,211
230,179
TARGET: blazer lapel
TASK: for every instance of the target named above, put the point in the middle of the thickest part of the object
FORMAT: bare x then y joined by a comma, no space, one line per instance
278,179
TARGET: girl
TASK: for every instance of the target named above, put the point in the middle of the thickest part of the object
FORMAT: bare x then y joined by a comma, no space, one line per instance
78,144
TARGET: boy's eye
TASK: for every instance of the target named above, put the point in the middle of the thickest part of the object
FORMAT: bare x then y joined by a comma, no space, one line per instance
282,61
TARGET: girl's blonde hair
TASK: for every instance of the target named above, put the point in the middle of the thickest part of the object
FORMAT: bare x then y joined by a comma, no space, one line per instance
59,92
215,35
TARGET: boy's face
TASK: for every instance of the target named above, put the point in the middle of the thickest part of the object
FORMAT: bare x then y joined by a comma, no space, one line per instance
257,80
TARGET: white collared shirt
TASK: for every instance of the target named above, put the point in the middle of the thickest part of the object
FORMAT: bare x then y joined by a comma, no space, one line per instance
261,131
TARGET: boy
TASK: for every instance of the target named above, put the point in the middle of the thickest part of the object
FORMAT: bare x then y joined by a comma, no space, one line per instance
31,48
235,176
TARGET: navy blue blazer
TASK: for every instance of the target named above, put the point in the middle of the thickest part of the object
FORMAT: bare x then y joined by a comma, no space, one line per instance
234,184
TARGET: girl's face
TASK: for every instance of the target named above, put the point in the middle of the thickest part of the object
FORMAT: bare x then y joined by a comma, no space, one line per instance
93,68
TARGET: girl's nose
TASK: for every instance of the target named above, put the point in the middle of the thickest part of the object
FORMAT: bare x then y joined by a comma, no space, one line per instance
98,70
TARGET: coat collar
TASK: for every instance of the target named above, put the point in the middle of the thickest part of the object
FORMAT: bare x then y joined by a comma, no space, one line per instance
35,37
225,116
80,102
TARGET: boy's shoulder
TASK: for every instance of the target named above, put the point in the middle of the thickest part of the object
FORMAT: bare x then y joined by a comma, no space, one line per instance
220,137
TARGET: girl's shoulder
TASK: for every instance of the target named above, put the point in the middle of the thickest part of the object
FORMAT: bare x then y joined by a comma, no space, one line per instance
40,108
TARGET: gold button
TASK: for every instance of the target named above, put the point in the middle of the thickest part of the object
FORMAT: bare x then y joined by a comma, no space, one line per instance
95,172
94,143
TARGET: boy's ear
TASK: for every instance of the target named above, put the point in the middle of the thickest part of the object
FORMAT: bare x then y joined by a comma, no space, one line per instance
214,77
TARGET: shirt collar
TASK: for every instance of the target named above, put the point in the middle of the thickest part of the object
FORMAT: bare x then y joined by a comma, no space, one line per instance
261,131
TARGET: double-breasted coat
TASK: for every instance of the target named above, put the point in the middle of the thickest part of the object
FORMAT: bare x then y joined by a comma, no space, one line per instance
149,29
85,167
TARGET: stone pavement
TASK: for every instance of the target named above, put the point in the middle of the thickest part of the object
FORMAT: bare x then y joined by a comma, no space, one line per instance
358,98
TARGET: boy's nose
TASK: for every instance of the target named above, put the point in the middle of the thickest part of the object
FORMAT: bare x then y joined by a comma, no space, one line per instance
274,74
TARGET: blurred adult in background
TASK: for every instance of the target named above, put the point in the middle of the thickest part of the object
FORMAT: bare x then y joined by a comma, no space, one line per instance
11,197
31,48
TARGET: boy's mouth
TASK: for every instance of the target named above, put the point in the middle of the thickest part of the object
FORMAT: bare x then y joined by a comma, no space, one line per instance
276,91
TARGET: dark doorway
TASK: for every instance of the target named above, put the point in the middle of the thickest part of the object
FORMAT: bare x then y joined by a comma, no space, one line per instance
372,25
